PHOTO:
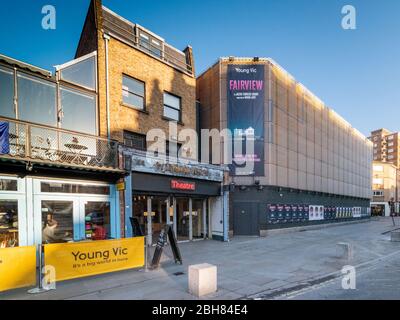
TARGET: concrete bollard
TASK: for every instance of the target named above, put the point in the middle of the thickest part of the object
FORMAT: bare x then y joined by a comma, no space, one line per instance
395,236
202,279
345,250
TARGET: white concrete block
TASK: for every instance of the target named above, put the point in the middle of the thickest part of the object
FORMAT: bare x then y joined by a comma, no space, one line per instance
202,279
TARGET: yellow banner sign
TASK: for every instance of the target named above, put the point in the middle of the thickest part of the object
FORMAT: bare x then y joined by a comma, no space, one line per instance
76,260
17,267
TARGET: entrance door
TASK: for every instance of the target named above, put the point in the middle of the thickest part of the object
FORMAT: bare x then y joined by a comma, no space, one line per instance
245,220
56,220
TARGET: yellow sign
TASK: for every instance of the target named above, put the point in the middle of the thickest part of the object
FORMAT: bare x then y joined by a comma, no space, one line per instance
121,186
76,260
17,267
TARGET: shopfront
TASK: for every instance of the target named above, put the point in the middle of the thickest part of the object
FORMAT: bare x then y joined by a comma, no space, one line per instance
187,196
45,211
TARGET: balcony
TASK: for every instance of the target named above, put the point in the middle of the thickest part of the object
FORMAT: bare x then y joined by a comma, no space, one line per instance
46,145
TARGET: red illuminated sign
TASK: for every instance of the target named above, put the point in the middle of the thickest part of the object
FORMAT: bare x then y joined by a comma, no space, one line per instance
181,185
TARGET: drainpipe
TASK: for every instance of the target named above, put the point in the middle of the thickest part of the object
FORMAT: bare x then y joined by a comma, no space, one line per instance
106,39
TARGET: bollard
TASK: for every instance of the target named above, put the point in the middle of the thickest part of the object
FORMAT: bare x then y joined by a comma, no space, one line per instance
395,236
39,288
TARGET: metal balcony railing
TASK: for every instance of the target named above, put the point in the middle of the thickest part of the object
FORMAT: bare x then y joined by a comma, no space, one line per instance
46,144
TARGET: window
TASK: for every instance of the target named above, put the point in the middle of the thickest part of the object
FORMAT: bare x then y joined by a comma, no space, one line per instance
82,73
135,140
57,187
378,193
8,185
390,157
390,144
8,223
133,92
97,220
378,168
36,100
172,107
390,138
150,44
378,181
78,110
391,150
7,93
170,149
57,221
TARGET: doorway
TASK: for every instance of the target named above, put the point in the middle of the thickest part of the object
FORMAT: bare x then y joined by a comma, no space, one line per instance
245,219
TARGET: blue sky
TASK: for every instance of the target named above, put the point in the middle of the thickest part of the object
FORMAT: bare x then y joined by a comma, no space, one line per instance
355,72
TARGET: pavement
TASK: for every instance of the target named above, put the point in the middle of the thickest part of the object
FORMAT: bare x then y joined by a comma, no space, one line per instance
298,265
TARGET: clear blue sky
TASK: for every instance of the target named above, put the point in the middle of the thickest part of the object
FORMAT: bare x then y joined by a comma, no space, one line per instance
357,73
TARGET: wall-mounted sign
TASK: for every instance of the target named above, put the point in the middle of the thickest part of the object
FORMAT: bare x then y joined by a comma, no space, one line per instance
148,164
76,260
246,99
120,186
17,267
182,185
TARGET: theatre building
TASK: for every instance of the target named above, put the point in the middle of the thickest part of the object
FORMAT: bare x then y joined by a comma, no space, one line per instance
145,84
310,166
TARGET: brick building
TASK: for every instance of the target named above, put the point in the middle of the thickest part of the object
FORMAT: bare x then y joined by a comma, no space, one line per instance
145,84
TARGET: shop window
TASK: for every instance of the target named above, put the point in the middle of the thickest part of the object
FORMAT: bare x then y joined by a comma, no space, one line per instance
78,111
57,221
172,107
97,221
36,100
135,140
7,93
8,223
82,73
8,185
56,187
133,92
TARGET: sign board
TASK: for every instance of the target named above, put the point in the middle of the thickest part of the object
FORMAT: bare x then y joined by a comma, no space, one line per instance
77,260
316,213
246,101
17,267
183,185
121,186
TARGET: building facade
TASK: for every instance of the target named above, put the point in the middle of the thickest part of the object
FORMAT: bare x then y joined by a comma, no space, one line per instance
385,185
57,174
310,167
147,84
386,146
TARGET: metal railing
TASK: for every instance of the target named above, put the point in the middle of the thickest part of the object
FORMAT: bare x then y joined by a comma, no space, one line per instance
29,141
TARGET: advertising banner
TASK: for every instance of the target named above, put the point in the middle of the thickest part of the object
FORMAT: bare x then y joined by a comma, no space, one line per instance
17,267
246,99
76,260
295,215
306,213
271,214
288,213
300,213
281,217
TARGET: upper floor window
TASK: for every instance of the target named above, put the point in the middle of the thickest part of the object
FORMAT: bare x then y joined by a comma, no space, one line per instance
150,43
390,138
133,92
81,72
135,140
7,93
172,107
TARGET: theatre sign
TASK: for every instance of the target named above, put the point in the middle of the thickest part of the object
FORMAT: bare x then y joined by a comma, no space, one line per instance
146,164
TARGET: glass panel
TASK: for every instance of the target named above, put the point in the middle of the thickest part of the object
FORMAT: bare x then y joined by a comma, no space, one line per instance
182,212
7,93
133,86
36,100
8,185
171,113
56,187
172,101
97,221
139,209
79,111
8,223
133,100
57,221
198,219
82,73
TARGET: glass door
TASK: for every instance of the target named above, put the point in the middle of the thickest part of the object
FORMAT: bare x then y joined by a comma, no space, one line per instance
97,218
56,219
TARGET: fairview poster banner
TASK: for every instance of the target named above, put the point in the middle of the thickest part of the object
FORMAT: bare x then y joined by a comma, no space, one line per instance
76,260
17,267
246,96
